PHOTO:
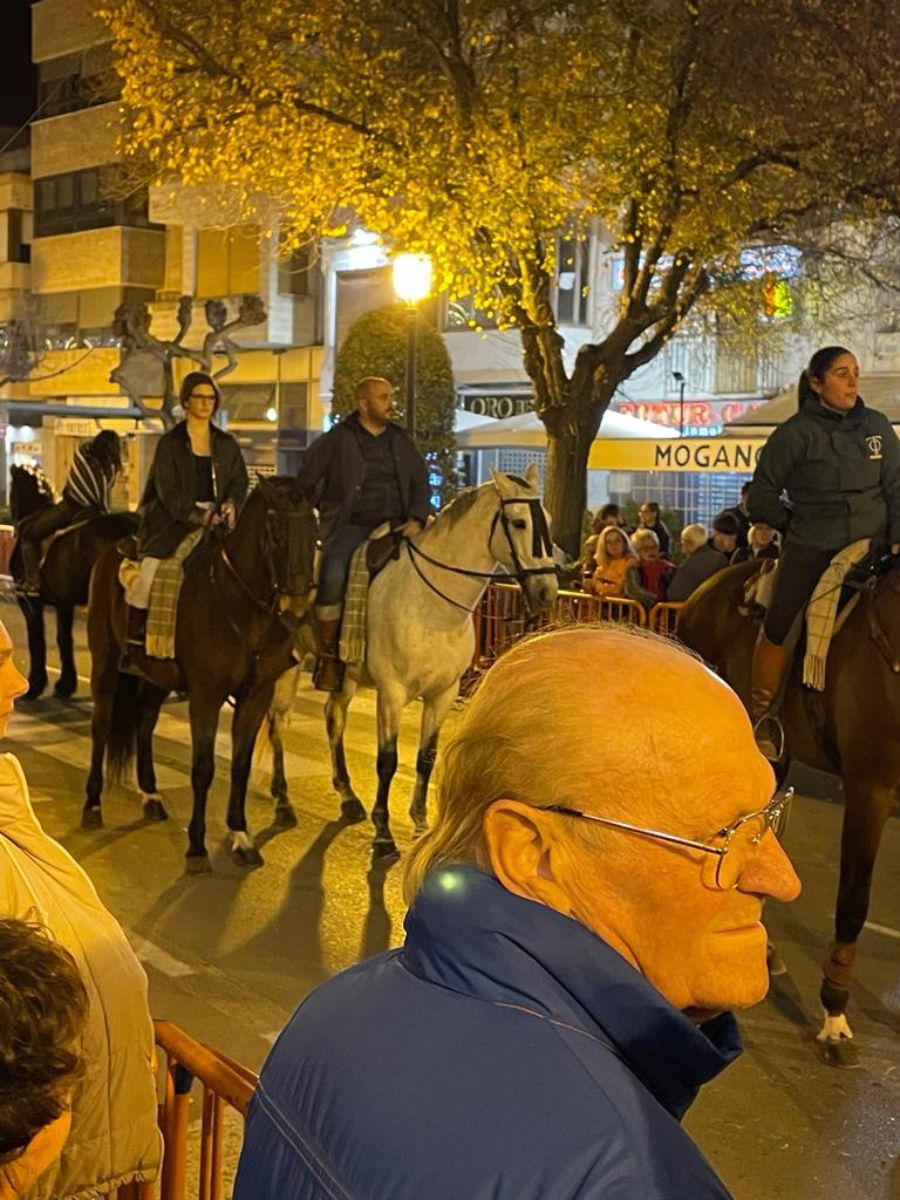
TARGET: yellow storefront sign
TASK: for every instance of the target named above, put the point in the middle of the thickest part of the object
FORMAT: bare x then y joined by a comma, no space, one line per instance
675,454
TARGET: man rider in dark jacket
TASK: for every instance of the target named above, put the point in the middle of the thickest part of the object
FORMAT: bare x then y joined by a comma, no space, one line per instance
363,472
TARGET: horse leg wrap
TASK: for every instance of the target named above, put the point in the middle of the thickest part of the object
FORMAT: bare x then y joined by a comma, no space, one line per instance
425,761
386,764
838,971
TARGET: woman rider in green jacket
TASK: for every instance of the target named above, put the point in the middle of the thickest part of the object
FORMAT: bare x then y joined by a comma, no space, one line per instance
827,477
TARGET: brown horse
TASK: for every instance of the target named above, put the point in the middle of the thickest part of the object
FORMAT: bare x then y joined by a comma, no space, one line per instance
232,640
851,729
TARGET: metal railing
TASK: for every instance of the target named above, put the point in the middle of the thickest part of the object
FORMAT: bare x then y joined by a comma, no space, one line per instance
501,620
225,1084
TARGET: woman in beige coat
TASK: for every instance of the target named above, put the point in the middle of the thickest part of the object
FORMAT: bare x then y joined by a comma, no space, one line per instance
114,1136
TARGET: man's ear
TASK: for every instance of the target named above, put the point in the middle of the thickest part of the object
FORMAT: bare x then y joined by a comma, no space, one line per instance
520,842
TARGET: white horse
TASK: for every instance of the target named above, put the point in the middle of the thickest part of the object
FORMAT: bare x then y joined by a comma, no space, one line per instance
420,634
421,637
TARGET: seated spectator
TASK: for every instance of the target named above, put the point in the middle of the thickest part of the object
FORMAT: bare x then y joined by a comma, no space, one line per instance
763,543
614,556
704,557
114,1138
647,580
648,515
604,518
572,947
43,1006
741,514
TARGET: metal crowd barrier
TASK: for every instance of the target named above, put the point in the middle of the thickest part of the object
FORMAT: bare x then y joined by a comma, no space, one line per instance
226,1084
501,619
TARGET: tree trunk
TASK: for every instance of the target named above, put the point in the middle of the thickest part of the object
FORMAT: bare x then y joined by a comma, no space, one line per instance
565,494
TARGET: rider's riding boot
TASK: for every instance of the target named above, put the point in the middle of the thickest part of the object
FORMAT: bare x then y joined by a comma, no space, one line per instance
328,675
134,655
766,674
31,566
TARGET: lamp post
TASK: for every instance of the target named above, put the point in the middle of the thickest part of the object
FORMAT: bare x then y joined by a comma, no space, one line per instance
680,380
412,283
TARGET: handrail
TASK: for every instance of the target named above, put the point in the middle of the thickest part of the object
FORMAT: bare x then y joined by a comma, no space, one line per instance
235,1084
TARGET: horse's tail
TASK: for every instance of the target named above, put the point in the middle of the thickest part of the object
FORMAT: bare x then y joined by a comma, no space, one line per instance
122,740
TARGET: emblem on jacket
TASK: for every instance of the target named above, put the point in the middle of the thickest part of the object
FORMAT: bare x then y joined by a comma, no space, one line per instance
874,444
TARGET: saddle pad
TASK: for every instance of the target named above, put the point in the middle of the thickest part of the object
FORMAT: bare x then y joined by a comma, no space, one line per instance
164,599
353,623
820,615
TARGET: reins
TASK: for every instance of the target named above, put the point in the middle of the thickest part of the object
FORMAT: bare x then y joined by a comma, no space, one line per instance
541,544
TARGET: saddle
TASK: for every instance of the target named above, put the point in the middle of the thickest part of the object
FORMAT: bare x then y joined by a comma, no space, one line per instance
380,551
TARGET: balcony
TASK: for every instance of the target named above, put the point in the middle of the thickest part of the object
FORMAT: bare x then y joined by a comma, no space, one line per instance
112,257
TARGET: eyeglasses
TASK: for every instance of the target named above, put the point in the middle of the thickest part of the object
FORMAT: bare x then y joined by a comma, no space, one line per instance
740,840
202,396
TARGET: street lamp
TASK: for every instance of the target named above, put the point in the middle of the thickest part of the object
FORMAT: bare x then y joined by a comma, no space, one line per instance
680,380
412,283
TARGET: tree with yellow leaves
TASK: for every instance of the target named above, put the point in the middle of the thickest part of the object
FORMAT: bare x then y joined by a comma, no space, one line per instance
478,131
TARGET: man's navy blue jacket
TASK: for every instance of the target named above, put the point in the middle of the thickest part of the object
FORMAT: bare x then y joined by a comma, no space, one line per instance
505,1053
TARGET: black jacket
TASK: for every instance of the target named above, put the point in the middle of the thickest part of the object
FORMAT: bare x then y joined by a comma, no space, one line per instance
696,569
333,470
841,473
168,512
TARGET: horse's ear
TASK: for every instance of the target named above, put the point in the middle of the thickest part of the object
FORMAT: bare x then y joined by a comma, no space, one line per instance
532,476
504,486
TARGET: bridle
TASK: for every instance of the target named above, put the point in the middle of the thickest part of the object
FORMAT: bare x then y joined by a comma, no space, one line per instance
275,591
541,546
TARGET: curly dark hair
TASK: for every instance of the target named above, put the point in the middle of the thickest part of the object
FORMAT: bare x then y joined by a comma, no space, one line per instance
43,1006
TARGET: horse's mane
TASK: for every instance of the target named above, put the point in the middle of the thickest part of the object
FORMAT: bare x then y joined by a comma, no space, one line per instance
461,503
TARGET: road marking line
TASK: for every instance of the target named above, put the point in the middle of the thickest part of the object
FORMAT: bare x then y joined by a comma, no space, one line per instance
885,929
149,952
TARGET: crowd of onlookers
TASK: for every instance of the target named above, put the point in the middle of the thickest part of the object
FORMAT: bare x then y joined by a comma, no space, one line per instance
643,564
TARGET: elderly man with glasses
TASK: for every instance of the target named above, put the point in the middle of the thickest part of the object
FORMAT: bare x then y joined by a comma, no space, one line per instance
578,932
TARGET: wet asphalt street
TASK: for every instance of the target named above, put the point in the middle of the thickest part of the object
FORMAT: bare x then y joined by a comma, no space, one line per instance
230,955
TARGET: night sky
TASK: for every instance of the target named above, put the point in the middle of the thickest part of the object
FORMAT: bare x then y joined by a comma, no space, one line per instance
17,76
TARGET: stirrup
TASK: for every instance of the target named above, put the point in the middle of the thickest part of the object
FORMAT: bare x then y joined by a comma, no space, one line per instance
768,733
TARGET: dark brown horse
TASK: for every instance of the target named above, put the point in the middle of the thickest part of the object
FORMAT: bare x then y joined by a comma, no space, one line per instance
851,729
232,640
65,575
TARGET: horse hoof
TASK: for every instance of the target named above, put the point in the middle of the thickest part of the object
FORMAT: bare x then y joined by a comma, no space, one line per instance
385,851
197,864
154,809
35,690
285,817
841,1053
352,811
65,689
92,818
246,856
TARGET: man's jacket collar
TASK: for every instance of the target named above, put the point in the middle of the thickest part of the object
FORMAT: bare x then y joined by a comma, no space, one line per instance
466,932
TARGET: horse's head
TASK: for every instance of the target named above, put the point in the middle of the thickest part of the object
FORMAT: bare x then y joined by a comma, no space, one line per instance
520,538
286,524
29,490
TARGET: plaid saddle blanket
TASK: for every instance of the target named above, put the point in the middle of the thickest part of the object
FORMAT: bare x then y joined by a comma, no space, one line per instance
164,599
822,622
353,621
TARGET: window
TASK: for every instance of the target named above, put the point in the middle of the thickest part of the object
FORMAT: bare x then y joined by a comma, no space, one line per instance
462,314
75,81
572,281
86,200
294,274
228,261
17,250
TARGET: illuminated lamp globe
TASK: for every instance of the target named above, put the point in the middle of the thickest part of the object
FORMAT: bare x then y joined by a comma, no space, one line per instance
412,277
271,414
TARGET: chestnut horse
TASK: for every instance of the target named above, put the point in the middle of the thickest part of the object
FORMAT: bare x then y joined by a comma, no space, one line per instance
233,639
851,729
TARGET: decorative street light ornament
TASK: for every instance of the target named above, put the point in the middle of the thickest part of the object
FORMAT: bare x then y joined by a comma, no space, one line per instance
412,277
